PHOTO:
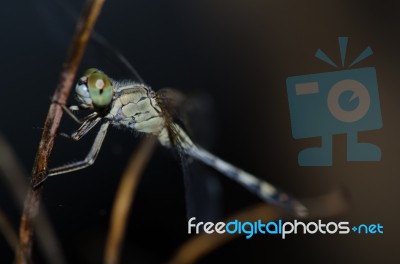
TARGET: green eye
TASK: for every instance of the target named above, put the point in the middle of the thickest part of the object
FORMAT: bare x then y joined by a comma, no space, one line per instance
100,88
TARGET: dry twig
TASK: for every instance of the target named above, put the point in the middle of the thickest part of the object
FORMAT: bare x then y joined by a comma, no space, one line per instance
13,174
330,204
125,197
201,245
15,178
8,231
32,202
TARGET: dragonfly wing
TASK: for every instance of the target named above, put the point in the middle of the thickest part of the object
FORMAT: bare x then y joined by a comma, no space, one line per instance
202,186
202,192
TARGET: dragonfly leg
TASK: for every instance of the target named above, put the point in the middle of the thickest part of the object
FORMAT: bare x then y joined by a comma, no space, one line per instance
85,128
91,156
69,111
87,123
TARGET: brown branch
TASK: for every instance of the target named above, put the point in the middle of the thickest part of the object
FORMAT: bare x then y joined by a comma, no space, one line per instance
32,202
125,197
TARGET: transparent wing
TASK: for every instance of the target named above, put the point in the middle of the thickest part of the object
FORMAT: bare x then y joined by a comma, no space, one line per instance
202,191
202,186
266,191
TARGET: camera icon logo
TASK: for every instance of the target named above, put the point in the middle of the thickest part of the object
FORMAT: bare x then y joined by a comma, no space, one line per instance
338,102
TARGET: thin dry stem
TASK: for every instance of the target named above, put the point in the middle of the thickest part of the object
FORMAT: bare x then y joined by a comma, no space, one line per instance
12,173
327,205
32,202
201,245
8,230
16,180
125,197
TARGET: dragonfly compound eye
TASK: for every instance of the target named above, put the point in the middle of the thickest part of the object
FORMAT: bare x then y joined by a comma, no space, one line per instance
100,88
82,93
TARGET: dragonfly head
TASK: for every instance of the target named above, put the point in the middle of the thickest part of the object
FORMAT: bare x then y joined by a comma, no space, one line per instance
94,89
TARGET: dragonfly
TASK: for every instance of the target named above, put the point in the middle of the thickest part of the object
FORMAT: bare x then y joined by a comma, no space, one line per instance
136,106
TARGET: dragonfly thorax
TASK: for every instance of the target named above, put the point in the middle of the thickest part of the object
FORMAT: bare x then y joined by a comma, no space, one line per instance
135,106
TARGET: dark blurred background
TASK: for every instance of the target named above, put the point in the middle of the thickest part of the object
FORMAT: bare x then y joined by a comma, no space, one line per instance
238,54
